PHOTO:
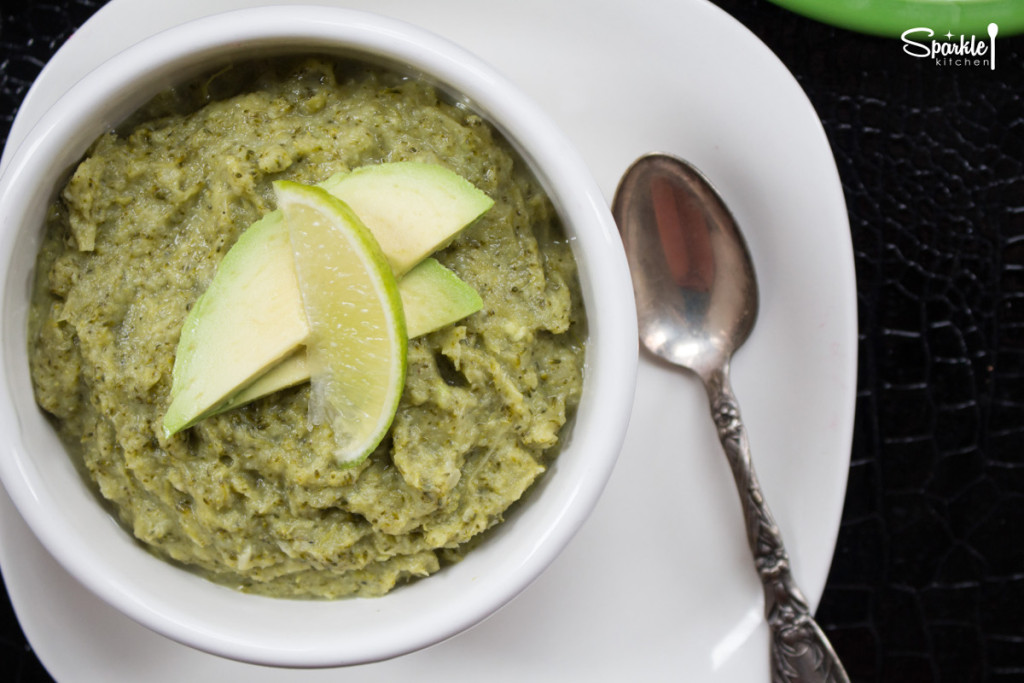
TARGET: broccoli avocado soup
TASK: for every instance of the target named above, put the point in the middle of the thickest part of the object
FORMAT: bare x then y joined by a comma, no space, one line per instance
252,497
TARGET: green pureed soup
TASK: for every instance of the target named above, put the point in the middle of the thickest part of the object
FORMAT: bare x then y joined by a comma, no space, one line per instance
252,497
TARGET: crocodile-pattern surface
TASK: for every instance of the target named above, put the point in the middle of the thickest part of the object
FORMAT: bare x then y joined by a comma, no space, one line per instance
928,579
927,583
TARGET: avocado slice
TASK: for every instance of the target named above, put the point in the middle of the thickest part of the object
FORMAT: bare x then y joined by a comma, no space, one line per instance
251,316
412,208
225,335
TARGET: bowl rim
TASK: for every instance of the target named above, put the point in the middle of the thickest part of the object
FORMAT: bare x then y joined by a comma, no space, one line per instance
608,394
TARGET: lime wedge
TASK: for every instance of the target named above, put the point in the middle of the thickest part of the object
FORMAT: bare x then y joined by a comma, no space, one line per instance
357,344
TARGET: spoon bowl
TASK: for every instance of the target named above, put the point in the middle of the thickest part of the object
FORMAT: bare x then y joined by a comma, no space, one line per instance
697,301
693,277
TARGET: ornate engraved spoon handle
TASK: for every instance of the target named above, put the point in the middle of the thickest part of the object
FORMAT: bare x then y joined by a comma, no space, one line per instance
800,652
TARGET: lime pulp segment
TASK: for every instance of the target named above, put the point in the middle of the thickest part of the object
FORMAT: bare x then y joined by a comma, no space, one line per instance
357,345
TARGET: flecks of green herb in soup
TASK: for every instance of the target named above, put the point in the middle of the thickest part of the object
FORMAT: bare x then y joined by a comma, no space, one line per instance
252,497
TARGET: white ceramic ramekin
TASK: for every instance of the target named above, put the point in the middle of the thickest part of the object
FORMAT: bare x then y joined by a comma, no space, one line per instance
63,512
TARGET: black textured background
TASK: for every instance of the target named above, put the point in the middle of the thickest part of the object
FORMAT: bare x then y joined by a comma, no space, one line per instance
928,578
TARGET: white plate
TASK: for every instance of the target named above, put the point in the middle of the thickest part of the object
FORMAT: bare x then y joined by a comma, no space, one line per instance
658,585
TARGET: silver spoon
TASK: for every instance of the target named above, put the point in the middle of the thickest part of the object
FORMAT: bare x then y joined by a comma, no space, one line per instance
696,298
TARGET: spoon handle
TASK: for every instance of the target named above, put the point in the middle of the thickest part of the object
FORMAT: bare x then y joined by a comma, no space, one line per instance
800,651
